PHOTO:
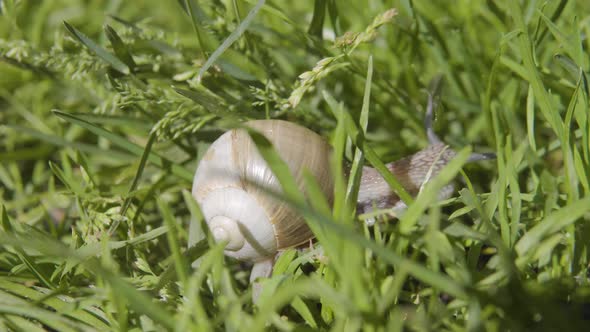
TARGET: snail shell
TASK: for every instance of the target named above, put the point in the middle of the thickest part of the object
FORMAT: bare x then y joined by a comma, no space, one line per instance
230,184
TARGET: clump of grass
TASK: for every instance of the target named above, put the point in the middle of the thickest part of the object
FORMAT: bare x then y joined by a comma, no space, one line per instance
108,107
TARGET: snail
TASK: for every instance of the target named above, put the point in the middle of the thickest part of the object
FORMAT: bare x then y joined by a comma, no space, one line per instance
255,226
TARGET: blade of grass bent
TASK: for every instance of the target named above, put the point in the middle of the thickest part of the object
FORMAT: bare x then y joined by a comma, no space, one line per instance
98,50
119,47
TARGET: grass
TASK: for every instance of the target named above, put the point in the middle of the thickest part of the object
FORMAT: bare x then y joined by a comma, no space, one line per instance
106,108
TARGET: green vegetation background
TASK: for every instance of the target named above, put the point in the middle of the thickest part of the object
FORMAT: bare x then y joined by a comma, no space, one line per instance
106,107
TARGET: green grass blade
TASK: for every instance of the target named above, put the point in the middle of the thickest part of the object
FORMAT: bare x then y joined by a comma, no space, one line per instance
337,162
303,309
359,140
109,58
317,21
554,222
58,141
355,174
235,35
209,101
198,228
572,46
530,116
121,50
198,18
139,124
140,168
179,260
525,47
277,165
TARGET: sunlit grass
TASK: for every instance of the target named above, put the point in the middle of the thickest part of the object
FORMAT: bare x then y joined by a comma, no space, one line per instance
107,107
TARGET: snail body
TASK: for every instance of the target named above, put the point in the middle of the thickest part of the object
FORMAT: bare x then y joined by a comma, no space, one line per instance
411,171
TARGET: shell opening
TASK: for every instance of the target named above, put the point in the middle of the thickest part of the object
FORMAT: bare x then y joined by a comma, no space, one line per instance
225,229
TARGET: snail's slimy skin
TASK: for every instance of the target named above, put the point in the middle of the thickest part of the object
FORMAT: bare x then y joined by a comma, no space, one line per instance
412,172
